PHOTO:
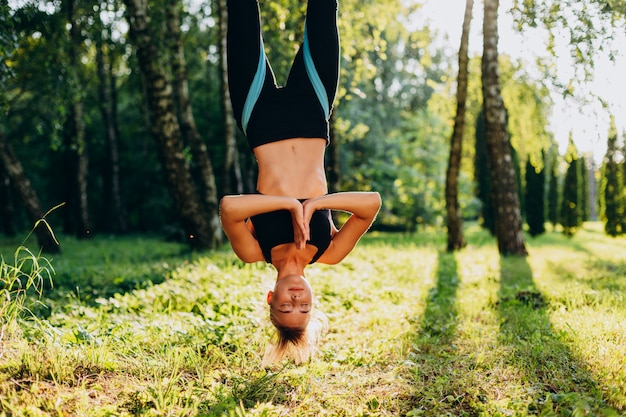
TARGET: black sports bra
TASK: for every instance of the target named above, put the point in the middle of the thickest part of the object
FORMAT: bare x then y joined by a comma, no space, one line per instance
275,228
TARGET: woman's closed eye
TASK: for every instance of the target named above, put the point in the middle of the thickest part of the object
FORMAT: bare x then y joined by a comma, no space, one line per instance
288,308
285,308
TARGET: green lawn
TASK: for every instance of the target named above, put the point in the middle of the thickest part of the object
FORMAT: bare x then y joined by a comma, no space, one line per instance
134,326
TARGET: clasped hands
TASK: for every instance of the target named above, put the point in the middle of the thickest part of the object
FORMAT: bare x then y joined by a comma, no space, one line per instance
301,214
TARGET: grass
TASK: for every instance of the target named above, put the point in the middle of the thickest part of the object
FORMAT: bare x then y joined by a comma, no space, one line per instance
138,327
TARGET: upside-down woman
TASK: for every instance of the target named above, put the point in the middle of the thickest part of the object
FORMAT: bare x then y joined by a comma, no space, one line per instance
288,223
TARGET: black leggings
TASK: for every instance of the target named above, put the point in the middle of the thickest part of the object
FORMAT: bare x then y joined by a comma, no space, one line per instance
314,72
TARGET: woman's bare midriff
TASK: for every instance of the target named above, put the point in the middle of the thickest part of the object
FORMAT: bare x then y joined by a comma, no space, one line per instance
292,167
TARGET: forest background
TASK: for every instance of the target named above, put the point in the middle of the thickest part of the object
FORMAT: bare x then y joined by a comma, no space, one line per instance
119,112
115,121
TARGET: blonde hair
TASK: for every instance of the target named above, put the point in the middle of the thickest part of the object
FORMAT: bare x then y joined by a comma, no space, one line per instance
298,344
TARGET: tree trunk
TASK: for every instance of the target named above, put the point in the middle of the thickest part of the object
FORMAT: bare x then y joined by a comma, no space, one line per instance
78,147
7,211
481,176
593,190
189,130
501,170
233,181
67,162
84,226
455,220
114,209
18,178
166,131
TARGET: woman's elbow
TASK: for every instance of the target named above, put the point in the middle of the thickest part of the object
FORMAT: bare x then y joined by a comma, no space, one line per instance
227,205
373,203
377,201
247,258
224,202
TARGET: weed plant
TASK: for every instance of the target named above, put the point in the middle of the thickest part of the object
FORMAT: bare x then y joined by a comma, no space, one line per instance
26,275
139,327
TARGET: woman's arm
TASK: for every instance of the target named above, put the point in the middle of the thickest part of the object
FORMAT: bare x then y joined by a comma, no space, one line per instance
363,207
235,210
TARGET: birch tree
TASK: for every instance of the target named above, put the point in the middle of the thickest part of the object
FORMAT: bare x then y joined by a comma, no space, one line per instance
453,209
503,182
166,130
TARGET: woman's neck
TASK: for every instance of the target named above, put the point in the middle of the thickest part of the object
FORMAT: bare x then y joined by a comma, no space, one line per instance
289,260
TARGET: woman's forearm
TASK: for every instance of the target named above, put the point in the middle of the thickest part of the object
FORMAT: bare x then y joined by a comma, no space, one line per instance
363,204
243,206
363,207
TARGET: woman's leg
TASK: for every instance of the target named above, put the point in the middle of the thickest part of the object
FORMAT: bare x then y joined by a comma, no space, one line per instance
248,69
317,63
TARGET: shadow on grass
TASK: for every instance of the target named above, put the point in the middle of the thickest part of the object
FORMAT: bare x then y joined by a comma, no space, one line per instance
556,382
451,381
435,362
103,266
610,274
597,274
557,239
440,317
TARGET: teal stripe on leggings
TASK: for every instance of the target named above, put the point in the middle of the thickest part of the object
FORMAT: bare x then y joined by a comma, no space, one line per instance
314,77
255,90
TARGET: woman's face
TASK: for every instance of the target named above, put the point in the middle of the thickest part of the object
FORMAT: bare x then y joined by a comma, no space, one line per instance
291,302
